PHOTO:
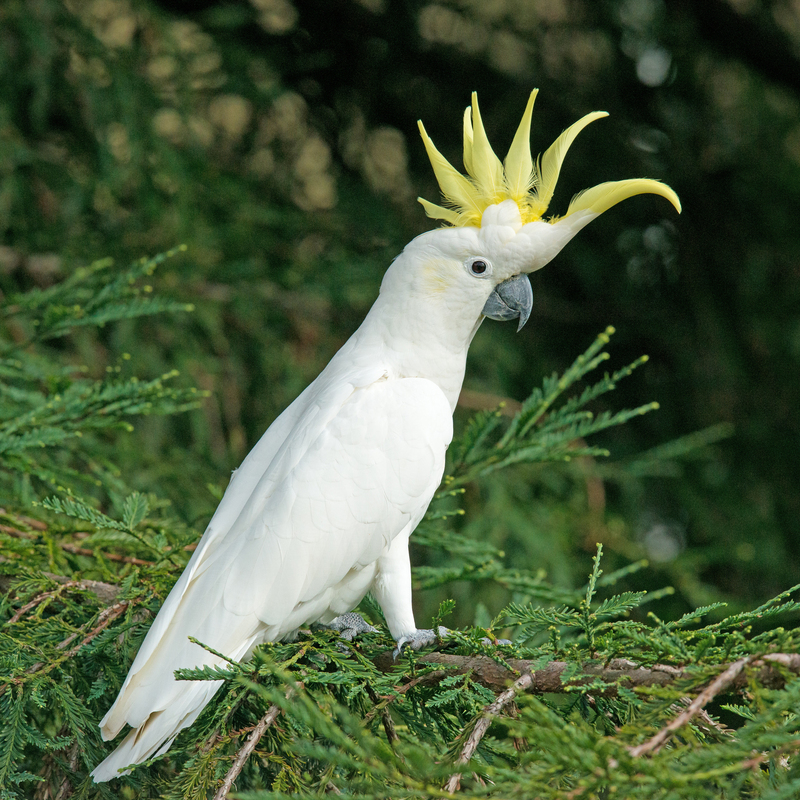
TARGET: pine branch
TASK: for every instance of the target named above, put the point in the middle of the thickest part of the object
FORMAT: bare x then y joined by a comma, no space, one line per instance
718,685
252,741
546,427
71,547
428,679
65,790
40,598
106,617
105,592
386,717
482,725
85,551
616,674
485,670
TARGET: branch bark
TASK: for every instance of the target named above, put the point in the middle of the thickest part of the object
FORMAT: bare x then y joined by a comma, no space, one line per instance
482,725
244,753
619,671
718,685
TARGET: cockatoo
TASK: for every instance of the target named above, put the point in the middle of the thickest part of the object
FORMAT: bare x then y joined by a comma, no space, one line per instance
321,510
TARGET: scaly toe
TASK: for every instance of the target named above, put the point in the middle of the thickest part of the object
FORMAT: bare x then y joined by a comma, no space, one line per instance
422,637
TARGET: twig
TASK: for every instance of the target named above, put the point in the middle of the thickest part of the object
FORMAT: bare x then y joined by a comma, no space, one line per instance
719,684
252,741
36,524
386,717
482,725
65,790
85,551
21,612
106,617
16,532
106,592
69,546
74,548
760,758
428,677
705,721
481,401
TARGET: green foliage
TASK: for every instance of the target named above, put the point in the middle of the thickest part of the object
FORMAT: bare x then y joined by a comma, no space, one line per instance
370,727
330,716
540,432
126,127
50,412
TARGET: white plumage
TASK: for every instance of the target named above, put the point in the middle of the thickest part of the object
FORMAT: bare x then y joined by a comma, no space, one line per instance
320,511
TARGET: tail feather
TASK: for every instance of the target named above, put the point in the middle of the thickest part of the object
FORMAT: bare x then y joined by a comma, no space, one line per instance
157,706
158,732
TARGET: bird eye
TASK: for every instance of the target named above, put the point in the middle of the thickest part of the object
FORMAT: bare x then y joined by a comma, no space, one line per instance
479,267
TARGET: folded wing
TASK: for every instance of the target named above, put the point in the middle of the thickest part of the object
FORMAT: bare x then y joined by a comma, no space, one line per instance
355,466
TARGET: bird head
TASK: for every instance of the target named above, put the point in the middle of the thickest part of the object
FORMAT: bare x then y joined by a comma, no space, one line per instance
496,230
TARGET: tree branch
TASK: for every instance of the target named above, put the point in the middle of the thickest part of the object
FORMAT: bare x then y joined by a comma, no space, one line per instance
252,741
719,684
71,547
621,672
105,618
106,592
427,679
482,725
386,717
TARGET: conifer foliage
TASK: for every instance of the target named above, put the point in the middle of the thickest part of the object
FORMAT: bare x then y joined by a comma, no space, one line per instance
592,697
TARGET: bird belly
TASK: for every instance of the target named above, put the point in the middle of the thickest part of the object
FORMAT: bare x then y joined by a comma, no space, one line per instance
338,599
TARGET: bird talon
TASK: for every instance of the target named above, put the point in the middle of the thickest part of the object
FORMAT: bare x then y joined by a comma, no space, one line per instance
422,637
350,625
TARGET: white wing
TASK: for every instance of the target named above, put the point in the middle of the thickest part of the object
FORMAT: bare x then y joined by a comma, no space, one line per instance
306,510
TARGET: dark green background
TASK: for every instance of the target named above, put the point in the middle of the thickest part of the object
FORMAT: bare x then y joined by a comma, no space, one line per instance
278,140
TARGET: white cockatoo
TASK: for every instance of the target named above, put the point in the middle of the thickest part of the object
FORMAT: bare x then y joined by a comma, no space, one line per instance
321,510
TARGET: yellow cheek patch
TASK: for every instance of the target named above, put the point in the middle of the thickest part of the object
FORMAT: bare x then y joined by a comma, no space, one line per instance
437,274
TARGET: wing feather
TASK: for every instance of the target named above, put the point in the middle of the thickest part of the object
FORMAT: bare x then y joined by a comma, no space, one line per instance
344,473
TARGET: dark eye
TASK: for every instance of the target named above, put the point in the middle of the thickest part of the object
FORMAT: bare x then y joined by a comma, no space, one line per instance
478,267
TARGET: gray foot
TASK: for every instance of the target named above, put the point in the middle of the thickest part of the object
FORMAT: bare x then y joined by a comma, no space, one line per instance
422,637
350,625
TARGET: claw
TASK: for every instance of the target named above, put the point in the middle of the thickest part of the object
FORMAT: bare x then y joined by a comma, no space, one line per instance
350,625
422,637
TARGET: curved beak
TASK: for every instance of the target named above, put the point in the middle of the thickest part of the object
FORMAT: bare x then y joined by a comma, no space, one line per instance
510,299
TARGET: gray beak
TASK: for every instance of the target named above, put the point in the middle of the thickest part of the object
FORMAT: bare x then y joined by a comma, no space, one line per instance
510,299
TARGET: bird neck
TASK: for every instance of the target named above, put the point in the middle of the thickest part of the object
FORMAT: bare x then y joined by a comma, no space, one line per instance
417,338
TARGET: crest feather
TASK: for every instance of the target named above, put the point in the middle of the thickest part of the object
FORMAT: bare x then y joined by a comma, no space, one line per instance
439,212
529,184
456,188
468,141
487,171
549,167
519,162
605,195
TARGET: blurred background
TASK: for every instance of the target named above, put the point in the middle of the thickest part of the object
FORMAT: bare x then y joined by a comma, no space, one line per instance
278,140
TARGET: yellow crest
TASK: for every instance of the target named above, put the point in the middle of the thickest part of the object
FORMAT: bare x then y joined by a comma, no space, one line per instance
529,184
